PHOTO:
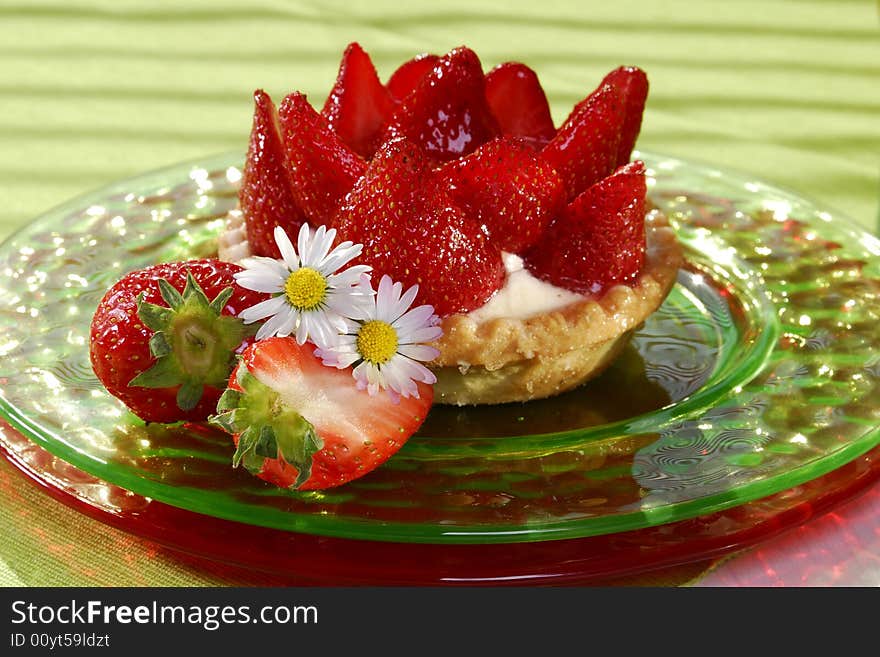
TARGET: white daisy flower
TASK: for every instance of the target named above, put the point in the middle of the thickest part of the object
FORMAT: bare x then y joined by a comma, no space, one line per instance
388,343
310,300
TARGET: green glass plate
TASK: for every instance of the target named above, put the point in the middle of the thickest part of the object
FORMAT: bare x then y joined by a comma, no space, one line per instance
759,373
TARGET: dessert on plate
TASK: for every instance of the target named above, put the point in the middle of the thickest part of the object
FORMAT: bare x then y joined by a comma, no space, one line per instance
533,244
432,239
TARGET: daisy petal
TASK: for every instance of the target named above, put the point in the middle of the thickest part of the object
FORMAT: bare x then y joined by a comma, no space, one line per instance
302,331
415,371
289,323
265,265
348,277
404,303
321,247
340,256
303,243
288,254
420,352
259,281
426,334
263,309
271,326
414,319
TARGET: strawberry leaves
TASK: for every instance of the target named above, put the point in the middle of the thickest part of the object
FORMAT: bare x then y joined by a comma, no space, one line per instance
266,428
193,342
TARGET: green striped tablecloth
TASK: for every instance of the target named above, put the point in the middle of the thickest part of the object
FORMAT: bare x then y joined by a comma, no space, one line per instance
788,90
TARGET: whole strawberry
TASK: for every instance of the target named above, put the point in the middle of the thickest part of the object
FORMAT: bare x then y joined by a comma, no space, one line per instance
164,338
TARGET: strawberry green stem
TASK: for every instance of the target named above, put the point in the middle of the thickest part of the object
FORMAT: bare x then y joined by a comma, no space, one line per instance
193,342
266,427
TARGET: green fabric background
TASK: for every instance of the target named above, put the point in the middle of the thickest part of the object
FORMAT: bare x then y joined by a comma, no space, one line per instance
90,92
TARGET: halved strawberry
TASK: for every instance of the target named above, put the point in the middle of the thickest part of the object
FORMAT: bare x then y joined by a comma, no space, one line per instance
164,338
633,82
265,197
409,74
446,252
358,107
447,115
379,209
413,231
585,148
321,167
300,424
518,102
598,240
508,189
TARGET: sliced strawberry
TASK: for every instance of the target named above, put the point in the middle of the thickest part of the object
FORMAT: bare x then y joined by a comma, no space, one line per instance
633,82
164,338
508,189
412,231
321,167
447,115
449,256
599,239
518,103
409,74
358,107
265,197
584,150
300,424
379,209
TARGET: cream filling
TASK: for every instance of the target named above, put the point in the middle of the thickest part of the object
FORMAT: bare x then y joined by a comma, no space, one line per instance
522,295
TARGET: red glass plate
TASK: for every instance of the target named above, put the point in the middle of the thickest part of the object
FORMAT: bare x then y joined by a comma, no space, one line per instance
317,560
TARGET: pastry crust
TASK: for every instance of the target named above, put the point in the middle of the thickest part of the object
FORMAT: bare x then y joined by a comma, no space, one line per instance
503,360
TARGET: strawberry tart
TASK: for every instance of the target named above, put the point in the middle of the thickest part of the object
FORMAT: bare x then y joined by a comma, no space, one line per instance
532,243
431,239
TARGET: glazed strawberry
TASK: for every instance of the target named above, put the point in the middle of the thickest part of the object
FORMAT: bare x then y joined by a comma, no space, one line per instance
300,424
508,189
265,197
409,74
633,82
380,208
164,338
447,115
358,107
413,231
518,102
599,239
321,167
585,148
447,253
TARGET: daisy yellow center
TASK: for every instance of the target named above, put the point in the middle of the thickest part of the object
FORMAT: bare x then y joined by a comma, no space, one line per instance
305,288
377,341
